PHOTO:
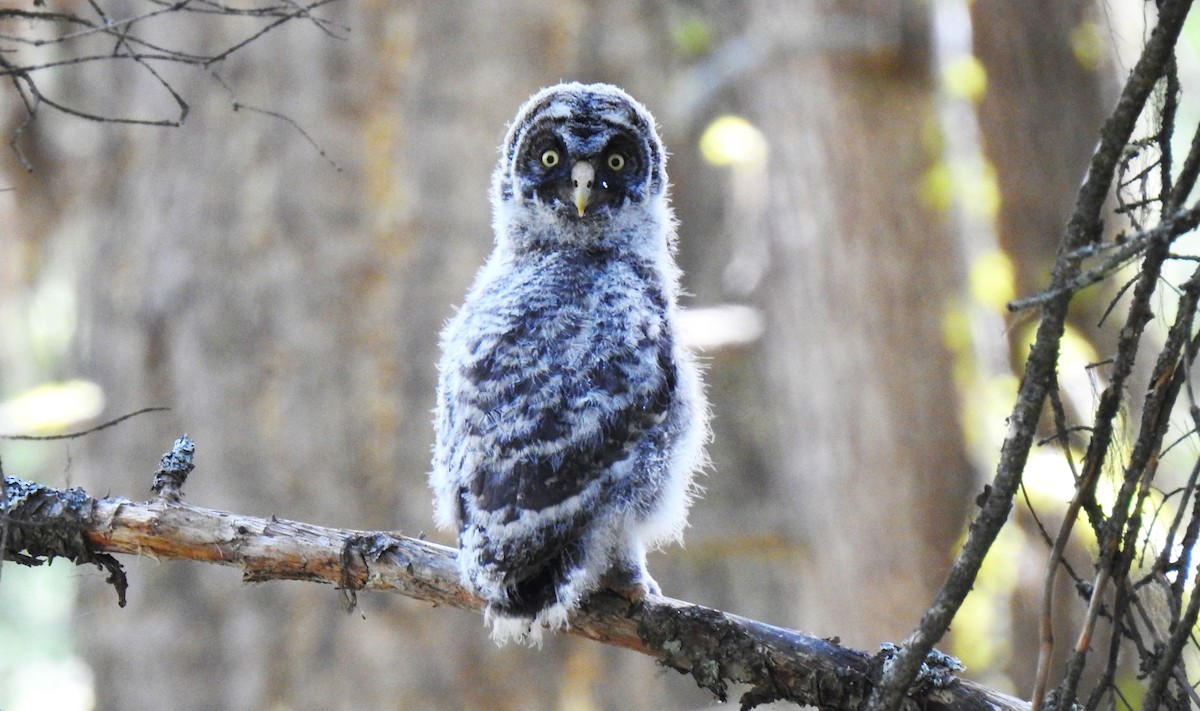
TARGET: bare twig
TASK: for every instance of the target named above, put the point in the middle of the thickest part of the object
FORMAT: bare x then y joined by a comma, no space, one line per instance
1083,228
1174,648
77,45
1167,231
82,433
1083,492
239,106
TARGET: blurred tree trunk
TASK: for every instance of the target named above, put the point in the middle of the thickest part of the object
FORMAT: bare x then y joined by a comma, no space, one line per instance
1050,86
869,459
288,314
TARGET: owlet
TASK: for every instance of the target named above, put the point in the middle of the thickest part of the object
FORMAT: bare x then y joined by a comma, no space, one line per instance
569,420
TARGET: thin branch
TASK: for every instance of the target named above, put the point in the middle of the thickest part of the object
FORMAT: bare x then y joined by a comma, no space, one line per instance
1167,231
1119,535
1174,648
303,11
110,26
239,106
79,113
1083,228
39,16
1084,491
1187,174
30,115
1166,131
77,46
82,433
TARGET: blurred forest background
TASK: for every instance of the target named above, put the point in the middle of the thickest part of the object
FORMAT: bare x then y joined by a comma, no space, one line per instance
861,187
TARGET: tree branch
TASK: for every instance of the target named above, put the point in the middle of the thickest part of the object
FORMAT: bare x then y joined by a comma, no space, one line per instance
57,41
1083,228
716,648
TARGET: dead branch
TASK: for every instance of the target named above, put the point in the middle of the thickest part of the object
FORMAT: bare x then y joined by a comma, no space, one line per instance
36,42
1083,230
716,648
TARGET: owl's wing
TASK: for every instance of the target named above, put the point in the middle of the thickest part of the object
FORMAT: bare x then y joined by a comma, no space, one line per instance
550,427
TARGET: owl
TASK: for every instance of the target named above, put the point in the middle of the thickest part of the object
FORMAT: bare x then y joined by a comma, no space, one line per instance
570,420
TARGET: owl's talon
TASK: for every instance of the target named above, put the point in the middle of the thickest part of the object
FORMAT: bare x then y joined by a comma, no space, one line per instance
629,584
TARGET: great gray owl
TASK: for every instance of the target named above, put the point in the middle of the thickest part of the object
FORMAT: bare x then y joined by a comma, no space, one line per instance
570,419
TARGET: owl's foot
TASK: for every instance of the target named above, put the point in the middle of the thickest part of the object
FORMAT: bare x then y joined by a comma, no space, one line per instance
633,584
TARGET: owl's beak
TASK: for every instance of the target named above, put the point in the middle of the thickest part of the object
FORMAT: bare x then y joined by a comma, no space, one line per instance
582,176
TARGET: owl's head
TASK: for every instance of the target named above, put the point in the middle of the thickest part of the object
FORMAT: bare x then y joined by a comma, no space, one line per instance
580,156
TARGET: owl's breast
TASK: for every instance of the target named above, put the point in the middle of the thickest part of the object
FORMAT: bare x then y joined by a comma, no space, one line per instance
561,370
575,332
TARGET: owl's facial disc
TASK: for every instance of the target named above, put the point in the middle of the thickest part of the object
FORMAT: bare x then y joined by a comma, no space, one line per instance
582,171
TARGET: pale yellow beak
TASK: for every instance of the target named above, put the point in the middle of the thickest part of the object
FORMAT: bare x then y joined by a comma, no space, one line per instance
582,175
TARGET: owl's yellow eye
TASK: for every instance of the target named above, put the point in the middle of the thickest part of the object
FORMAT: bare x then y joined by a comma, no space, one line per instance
550,158
616,161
